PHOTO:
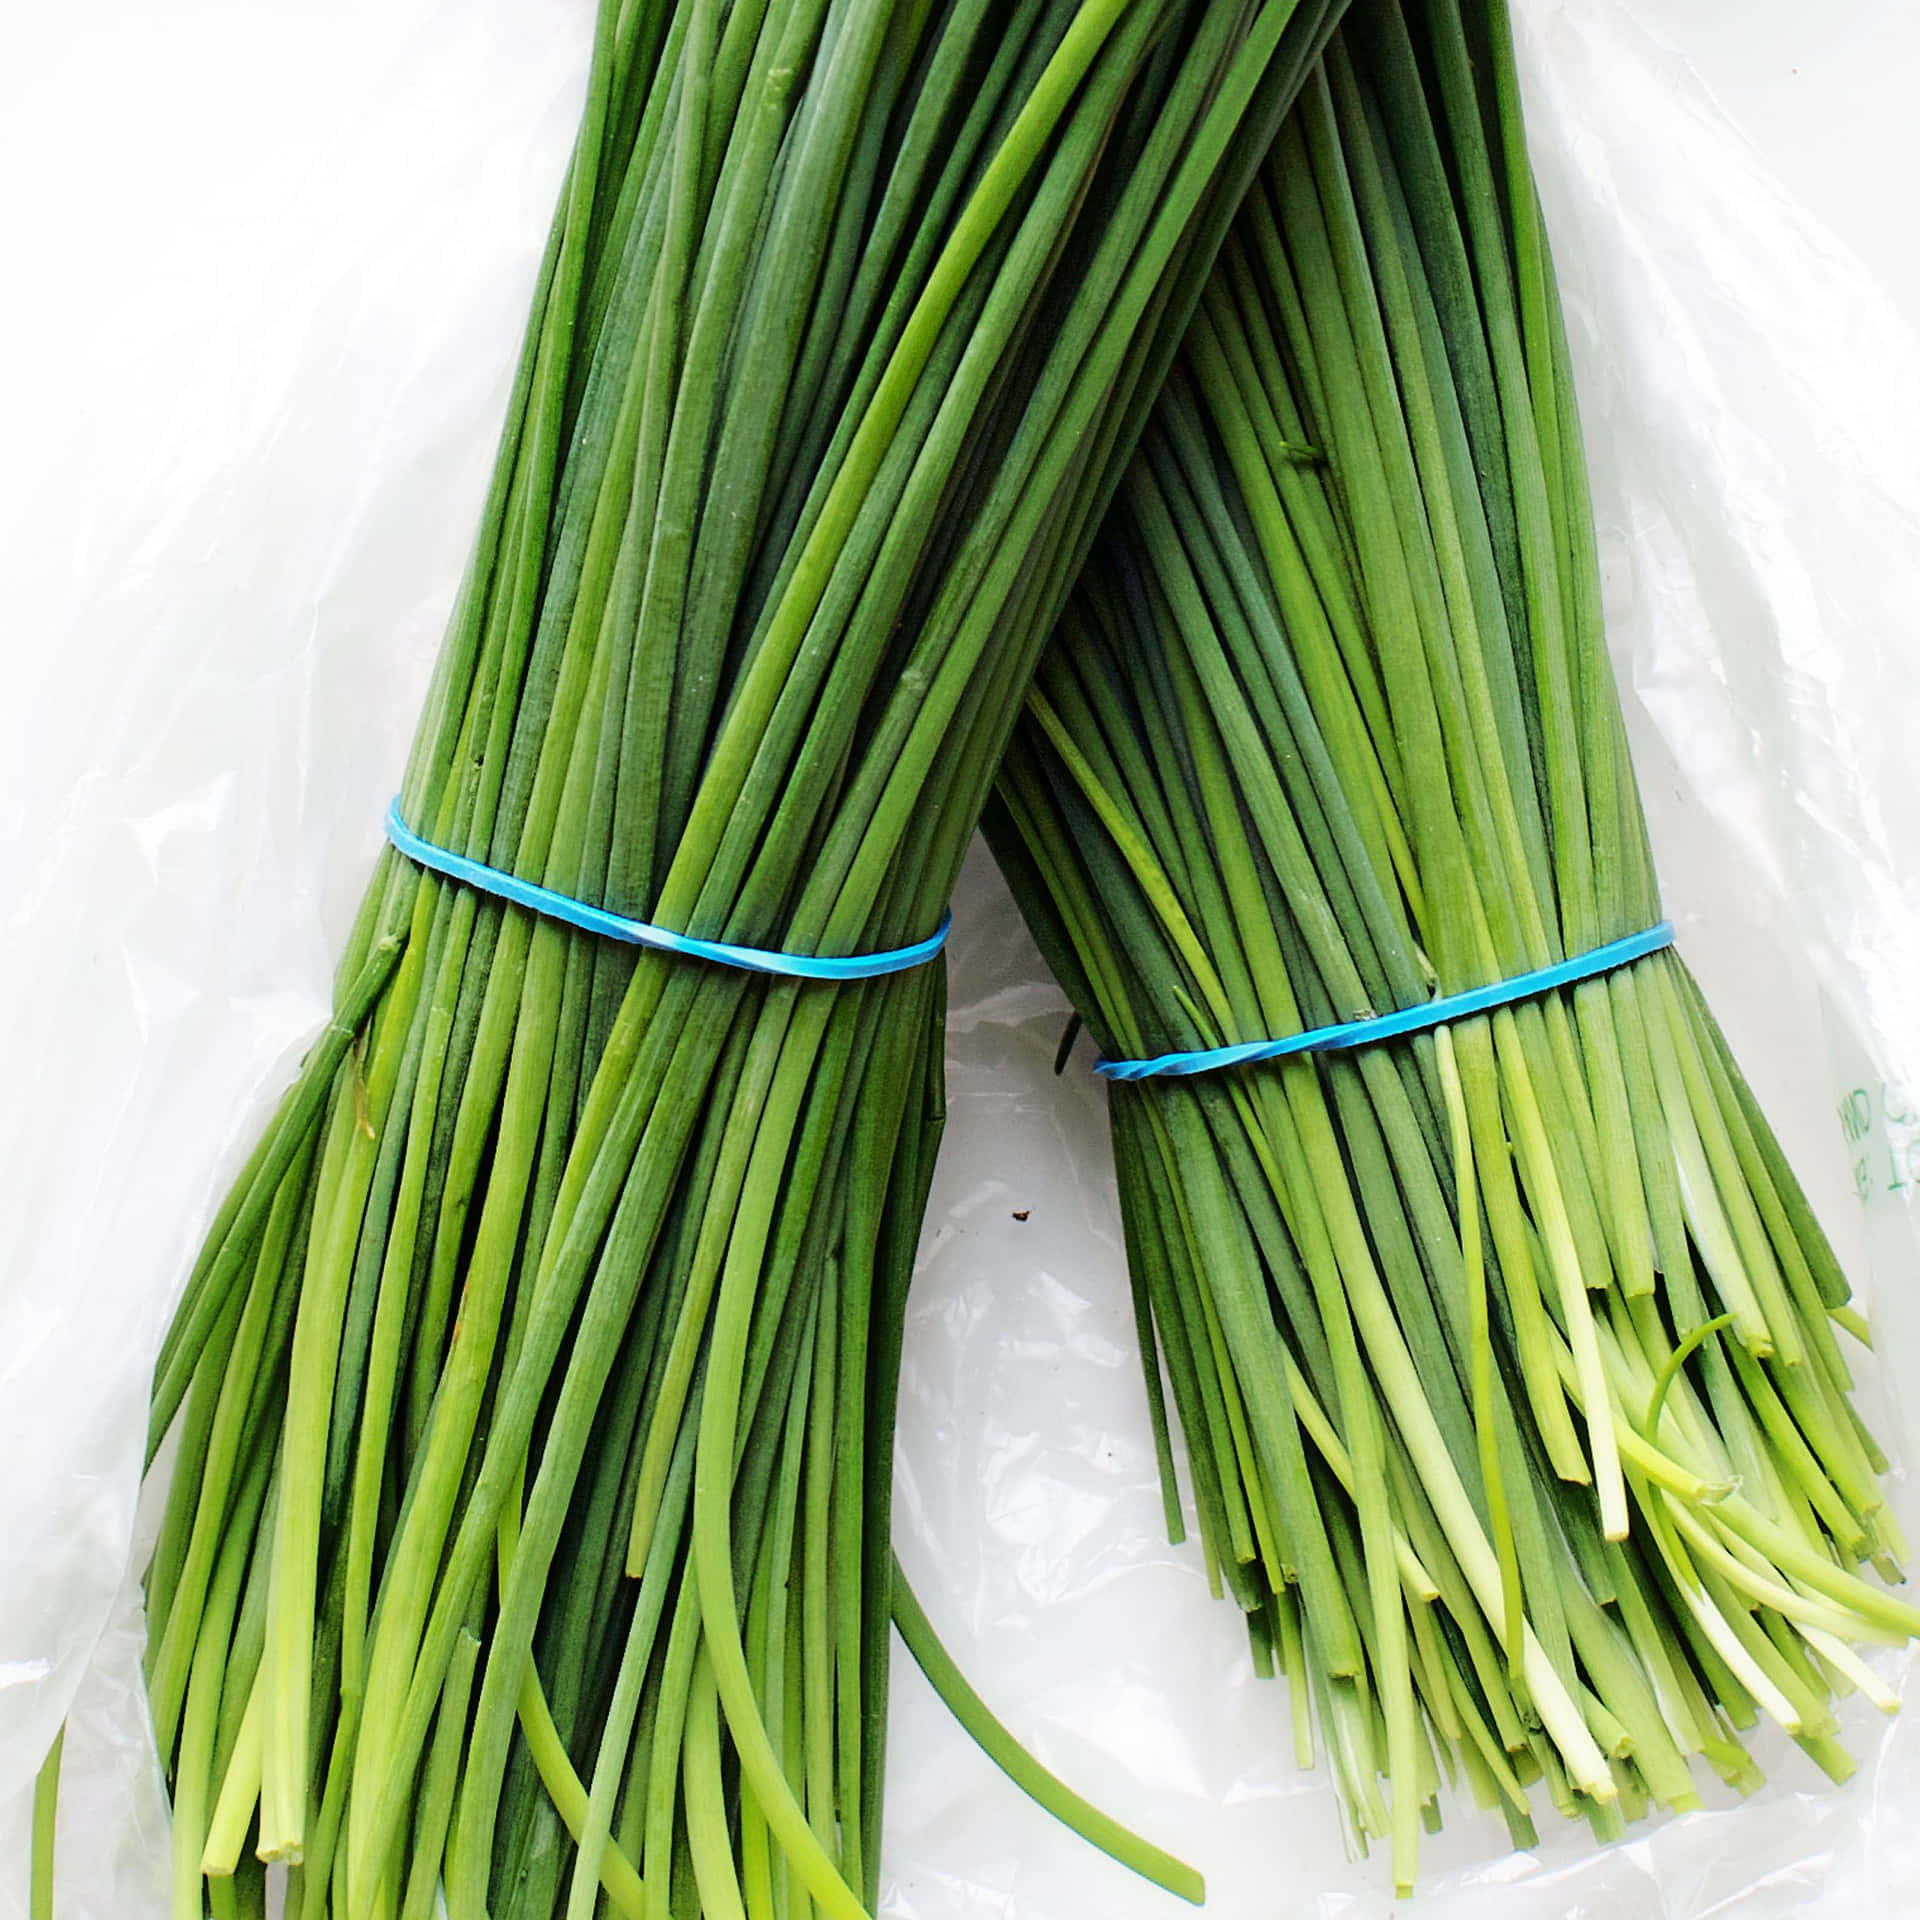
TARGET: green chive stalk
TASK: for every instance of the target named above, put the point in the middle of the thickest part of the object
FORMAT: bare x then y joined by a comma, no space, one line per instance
534,1391
1505,1354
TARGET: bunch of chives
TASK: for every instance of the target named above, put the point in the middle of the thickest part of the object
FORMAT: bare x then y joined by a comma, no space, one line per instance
534,1389
1505,1354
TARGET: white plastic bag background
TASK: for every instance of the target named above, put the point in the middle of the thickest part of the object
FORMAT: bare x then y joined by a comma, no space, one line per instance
270,268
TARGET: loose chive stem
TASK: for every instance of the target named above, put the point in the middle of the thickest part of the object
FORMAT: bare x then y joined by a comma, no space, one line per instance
1040,1786
46,1801
1485,1433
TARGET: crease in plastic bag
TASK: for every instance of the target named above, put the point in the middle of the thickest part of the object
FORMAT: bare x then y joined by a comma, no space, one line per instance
308,364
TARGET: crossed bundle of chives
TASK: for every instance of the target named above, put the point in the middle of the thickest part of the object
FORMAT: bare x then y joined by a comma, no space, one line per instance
534,1390
1505,1352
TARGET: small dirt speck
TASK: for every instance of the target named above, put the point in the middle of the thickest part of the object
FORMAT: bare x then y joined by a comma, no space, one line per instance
1021,1213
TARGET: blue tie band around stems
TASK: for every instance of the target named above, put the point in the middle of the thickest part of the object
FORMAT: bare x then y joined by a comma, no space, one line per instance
1390,1026
637,933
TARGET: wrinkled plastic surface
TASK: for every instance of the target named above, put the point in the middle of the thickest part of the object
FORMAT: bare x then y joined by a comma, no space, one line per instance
275,294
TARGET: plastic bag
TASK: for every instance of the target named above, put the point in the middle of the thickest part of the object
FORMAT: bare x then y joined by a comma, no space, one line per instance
304,248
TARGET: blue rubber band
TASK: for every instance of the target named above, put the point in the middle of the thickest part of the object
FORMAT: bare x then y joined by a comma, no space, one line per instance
1390,1026
637,933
